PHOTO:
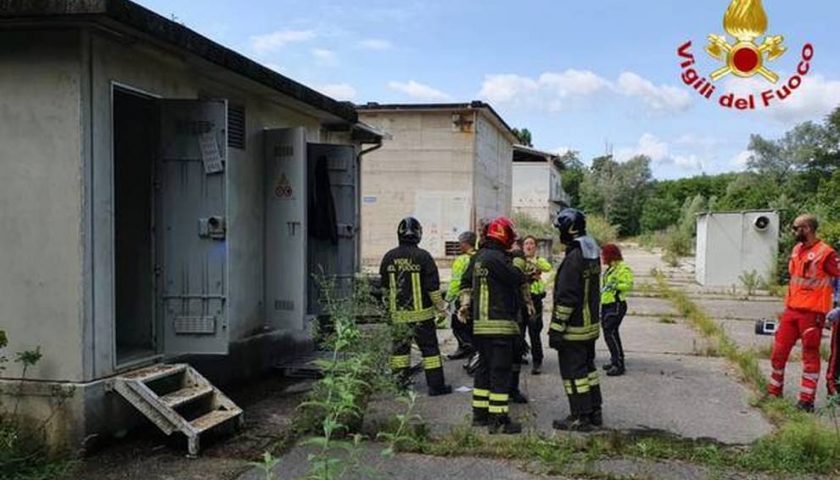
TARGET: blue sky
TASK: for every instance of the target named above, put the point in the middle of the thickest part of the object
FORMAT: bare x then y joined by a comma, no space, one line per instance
582,75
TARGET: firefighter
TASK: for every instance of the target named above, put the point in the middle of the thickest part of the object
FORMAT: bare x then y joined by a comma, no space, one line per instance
461,331
615,286
410,280
812,266
574,322
491,303
524,313
539,266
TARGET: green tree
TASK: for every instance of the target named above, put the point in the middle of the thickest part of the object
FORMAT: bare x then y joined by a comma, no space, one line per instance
659,213
524,136
573,176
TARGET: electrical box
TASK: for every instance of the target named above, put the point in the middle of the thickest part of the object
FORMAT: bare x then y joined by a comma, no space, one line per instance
731,244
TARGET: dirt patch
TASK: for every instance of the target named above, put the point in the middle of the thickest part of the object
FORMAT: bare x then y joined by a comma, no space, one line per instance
148,454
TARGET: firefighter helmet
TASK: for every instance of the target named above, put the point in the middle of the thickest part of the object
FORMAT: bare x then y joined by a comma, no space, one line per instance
571,223
502,230
410,230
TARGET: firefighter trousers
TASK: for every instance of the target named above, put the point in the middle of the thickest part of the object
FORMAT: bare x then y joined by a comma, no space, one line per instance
493,375
425,335
795,325
580,377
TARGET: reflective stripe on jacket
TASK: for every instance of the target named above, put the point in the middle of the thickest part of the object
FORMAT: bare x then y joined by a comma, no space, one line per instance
616,283
495,286
411,284
577,297
810,285
540,265
459,266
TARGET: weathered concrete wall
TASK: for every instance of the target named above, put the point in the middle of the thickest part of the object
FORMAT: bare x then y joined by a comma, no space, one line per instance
494,170
41,200
426,169
531,188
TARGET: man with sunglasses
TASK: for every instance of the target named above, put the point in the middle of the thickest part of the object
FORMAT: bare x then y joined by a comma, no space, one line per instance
813,266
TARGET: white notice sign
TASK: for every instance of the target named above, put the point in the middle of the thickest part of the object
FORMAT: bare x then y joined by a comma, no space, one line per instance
210,153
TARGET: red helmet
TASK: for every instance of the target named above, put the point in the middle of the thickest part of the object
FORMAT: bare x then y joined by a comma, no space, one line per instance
502,230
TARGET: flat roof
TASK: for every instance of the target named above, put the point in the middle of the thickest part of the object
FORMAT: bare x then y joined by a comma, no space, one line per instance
473,105
133,16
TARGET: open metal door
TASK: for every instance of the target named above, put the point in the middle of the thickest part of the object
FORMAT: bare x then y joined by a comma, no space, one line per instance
333,258
191,230
285,228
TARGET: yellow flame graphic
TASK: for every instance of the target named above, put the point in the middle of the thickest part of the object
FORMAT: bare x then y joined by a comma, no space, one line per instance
745,20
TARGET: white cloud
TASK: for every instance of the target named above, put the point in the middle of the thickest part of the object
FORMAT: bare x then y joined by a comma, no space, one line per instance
660,98
339,91
649,145
562,150
740,160
418,90
376,44
554,91
271,42
324,56
814,99
550,90
660,153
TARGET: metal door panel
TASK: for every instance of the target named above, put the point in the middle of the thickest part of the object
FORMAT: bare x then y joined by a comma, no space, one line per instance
192,261
337,262
285,228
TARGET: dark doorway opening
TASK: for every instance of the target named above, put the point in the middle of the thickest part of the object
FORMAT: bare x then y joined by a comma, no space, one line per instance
135,141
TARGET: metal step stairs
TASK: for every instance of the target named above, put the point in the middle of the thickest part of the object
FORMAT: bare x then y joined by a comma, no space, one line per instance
177,398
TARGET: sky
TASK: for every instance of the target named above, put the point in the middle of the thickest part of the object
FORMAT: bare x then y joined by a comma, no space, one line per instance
594,77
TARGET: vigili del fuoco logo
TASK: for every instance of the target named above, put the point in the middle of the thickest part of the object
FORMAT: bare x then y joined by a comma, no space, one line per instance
750,52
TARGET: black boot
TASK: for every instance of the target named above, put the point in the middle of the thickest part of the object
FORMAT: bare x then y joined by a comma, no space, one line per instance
471,364
460,354
441,390
517,397
480,417
536,369
607,366
615,371
501,423
596,418
573,423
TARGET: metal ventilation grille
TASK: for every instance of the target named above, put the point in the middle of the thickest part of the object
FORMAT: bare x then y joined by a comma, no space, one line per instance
236,127
453,249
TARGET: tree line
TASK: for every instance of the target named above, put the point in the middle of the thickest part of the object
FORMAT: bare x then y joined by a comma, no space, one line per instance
793,174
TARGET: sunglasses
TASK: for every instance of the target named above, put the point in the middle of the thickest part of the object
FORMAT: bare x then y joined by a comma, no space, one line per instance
797,228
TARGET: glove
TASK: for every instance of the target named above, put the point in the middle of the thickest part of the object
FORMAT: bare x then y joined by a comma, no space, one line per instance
465,311
555,339
833,316
440,321
529,304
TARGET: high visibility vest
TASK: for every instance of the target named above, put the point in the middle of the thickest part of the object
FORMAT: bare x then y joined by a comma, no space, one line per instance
810,286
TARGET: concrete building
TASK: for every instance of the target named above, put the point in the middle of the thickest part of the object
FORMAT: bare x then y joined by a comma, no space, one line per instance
157,203
731,244
537,183
447,164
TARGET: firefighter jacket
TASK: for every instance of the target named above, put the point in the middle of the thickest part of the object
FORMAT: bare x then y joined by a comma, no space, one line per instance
616,283
496,286
459,266
577,293
411,284
811,274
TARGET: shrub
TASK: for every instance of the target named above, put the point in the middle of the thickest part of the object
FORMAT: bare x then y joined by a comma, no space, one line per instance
600,229
678,242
